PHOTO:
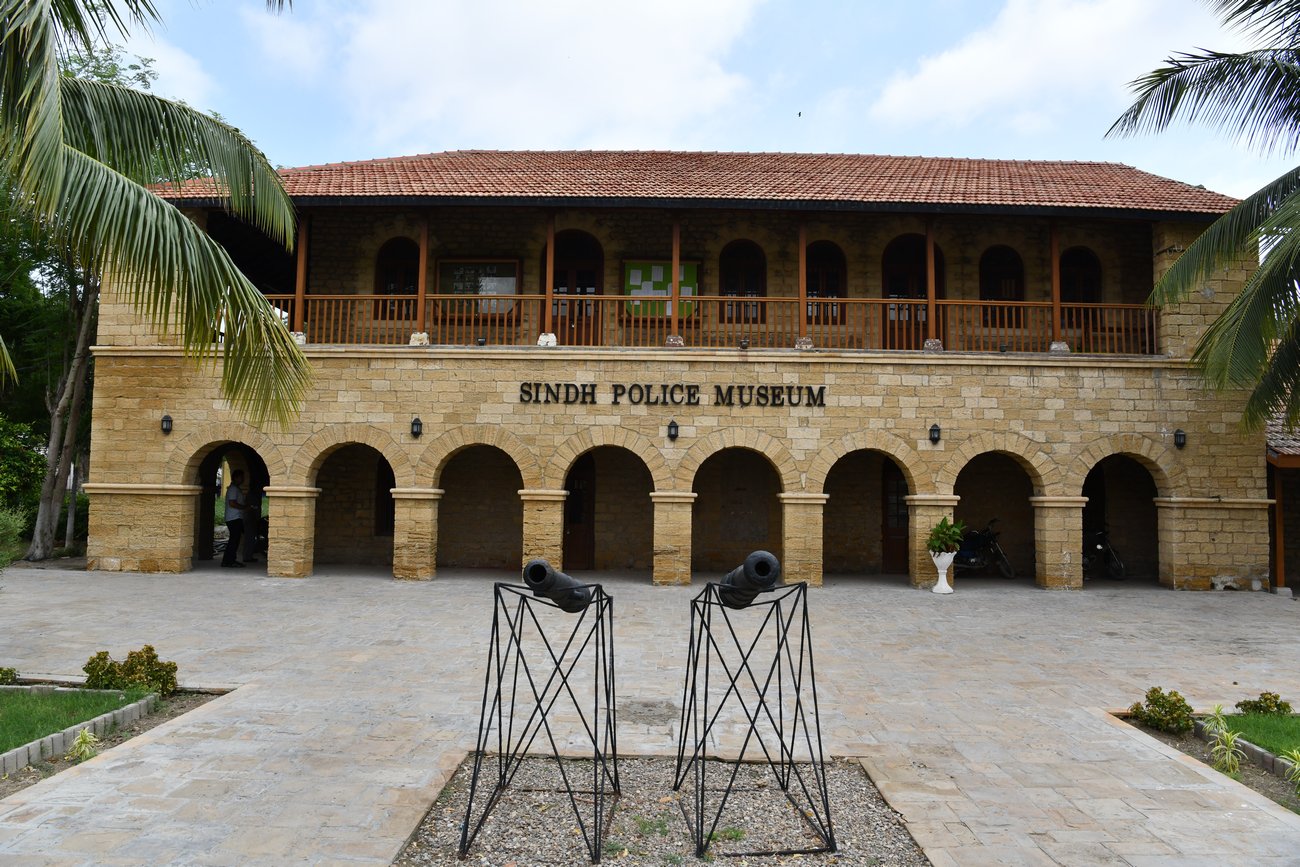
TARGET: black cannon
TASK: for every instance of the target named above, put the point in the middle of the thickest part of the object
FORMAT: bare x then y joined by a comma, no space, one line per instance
759,572
568,593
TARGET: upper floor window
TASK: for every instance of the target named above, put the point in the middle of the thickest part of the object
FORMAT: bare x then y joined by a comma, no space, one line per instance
1002,275
397,269
902,268
742,271
1080,276
826,275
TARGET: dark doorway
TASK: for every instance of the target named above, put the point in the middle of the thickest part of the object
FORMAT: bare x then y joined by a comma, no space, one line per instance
995,485
210,512
580,515
864,524
579,275
737,510
480,517
903,270
1121,501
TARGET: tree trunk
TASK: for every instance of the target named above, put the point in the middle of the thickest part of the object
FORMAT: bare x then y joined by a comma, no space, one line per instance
64,423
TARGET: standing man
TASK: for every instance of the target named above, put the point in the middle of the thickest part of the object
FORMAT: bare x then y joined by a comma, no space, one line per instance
235,508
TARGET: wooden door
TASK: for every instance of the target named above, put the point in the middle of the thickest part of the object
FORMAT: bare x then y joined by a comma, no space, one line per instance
580,515
577,319
893,525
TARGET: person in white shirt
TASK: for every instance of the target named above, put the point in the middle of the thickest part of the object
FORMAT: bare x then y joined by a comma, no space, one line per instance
235,509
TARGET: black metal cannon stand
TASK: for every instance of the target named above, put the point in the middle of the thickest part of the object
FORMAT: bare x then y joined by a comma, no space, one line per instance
527,675
777,695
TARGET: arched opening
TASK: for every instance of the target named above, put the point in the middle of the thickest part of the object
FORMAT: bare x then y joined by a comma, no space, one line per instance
480,517
994,485
215,472
1080,276
397,279
579,271
903,275
742,273
608,516
865,524
1121,517
826,277
736,512
1002,275
354,510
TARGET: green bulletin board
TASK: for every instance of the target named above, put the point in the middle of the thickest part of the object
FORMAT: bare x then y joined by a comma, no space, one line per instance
652,279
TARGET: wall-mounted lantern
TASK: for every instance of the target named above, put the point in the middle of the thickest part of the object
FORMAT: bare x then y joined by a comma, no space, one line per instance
673,430
1180,438
935,434
166,424
417,427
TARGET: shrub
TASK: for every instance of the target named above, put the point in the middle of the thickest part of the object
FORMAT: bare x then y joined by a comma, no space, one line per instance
12,524
1267,703
1293,772
142,668
86,746
1225,753
1166,712
1214,721
8,676
945,536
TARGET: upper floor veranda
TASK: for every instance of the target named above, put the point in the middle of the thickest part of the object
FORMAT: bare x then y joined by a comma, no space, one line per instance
732,251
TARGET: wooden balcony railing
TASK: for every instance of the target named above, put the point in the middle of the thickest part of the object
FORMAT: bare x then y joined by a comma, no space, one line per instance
726,321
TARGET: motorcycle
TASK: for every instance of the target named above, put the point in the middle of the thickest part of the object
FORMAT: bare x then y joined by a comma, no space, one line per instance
980,551
1100,557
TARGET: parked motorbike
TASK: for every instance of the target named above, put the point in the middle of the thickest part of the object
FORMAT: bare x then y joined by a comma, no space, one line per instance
981,551
1100,557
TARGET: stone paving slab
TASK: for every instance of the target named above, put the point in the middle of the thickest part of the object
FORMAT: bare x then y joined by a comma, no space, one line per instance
980,715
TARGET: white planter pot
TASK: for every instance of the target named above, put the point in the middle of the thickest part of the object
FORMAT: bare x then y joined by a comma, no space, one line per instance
942,562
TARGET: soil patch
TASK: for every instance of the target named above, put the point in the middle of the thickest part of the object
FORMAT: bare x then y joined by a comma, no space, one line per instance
534,823
168,709
1251,775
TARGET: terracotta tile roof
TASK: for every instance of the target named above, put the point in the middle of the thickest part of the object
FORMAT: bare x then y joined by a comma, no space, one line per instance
1280,440
844,179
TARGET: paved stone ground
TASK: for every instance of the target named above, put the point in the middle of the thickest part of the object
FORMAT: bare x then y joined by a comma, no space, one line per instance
979,714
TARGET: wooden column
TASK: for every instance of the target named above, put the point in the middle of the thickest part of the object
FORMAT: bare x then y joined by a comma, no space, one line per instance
1056,283
422,278
931,326
676,284
547,325
1279,530
300,278
803,281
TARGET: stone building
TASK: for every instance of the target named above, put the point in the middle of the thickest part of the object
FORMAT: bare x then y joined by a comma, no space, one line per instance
819,355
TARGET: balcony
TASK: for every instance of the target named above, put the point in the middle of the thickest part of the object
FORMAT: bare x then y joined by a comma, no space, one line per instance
709,322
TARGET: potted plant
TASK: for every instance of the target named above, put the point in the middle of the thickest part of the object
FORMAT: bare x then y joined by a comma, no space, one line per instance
943,544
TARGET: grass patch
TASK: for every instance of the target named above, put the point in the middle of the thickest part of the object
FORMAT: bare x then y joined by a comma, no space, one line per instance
29,715
1276,733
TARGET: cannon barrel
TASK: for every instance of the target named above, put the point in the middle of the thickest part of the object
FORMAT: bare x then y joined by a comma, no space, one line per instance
759,572
566,592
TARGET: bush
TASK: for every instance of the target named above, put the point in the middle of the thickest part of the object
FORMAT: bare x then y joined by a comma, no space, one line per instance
142,668
22,468
12,524
1166,712
8,676
1267,703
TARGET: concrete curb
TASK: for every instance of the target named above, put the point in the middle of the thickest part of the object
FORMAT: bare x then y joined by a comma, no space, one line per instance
60,742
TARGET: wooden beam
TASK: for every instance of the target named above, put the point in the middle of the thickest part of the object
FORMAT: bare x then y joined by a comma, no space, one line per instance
803,281
300,277
547,325
1055,245
422,278
677,266
1279,529
931,326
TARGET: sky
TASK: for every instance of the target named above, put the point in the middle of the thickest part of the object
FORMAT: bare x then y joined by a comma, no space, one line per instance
338,80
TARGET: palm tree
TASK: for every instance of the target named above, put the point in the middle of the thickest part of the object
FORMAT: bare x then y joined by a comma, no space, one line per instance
1254,95
80,155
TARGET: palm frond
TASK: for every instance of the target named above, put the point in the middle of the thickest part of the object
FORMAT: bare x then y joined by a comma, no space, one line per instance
143,136
1276,21
1226,239
1255,95
31,141
174,272
7,372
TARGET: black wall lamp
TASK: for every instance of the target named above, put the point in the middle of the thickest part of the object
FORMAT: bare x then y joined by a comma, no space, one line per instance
744,343
166,424
935,434
1180,438
417,427
673,430
481,341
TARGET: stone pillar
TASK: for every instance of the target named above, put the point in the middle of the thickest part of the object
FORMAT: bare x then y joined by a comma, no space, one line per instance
1058,542
141,528
672,536
415,532
291,551
1207,542
923,512
801,537
544,525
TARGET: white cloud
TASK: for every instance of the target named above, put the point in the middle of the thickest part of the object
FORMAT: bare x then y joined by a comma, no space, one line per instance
180,74
296,46
565,73
1049,54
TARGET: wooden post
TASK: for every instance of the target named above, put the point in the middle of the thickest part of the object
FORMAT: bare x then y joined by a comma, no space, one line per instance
931,326
1279,531
300,278
547,325
422,279
803,281
1056,283
676,284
